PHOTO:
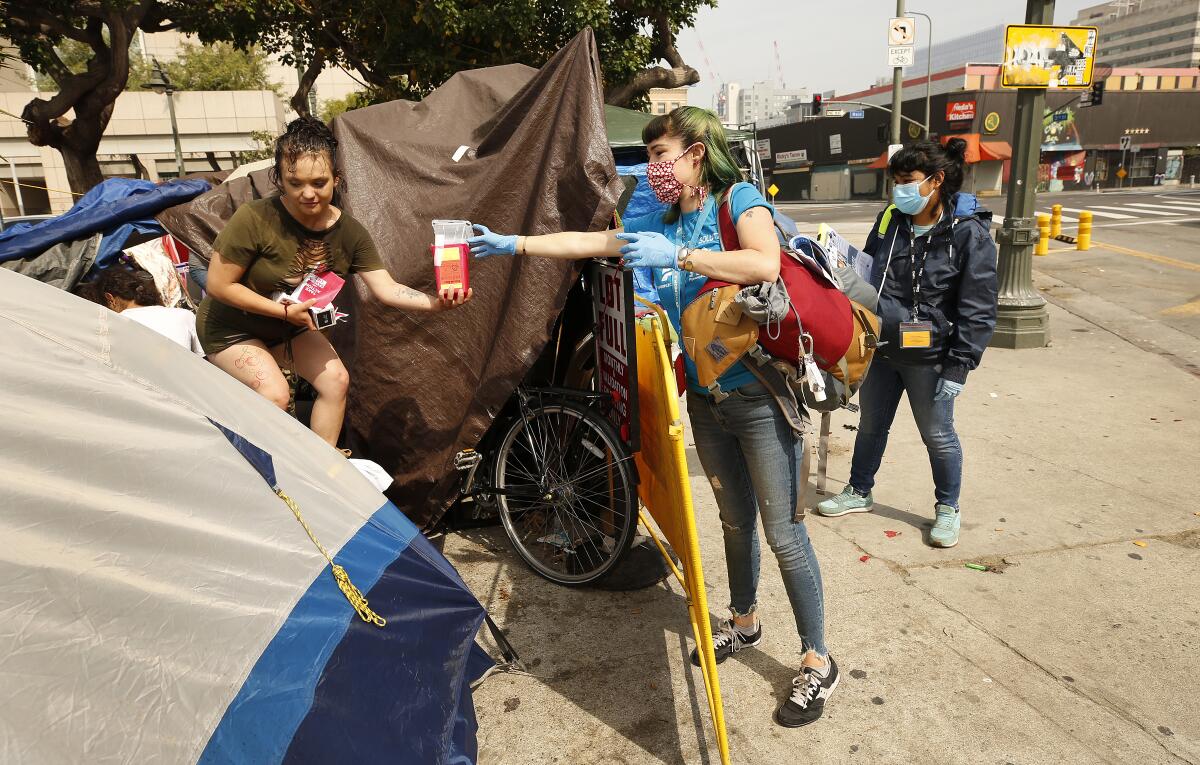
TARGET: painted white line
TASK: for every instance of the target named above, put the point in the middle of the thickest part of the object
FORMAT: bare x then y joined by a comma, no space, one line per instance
1065,218
1116,216
1189,206
1172,222
1154,209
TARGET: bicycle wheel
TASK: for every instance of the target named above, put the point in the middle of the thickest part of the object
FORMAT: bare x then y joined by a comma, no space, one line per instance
567,495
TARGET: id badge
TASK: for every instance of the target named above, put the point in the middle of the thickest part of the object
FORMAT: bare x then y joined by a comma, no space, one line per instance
916,334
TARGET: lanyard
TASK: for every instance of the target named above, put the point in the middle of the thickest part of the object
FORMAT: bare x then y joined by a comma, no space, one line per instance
918,271
705,209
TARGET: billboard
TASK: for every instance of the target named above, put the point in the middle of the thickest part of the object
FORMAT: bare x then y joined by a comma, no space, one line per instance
1037,56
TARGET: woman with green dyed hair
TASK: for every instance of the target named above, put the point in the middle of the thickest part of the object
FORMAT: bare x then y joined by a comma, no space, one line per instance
744,439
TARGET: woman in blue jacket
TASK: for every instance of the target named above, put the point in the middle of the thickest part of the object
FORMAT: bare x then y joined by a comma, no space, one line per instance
935,269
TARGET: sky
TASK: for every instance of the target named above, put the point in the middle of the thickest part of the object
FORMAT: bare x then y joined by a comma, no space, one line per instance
828,44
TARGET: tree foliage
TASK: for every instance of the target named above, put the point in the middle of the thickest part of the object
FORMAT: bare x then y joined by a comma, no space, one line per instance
219,66
103,32
406,48
332,107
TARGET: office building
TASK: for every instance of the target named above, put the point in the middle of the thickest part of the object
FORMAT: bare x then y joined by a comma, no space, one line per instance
1146,33
983,47
663,100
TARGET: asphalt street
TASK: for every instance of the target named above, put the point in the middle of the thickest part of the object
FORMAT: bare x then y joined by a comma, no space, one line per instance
1144,261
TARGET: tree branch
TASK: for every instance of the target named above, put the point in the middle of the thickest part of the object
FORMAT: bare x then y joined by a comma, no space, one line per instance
652,77
299,102
662,47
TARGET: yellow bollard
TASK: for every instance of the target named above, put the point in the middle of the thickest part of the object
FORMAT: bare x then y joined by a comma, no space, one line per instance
1055,221
1083,240
1043,243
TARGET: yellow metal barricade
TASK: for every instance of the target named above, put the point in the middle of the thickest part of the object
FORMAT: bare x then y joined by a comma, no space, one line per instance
666,492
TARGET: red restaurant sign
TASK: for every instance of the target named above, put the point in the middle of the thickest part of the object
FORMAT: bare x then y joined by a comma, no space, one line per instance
960,111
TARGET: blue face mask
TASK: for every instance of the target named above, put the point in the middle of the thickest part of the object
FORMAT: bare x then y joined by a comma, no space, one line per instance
907,197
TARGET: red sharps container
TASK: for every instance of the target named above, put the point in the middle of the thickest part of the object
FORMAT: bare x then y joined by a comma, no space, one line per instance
451,254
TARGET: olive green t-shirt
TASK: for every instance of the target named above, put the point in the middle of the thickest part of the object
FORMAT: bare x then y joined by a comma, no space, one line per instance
277,252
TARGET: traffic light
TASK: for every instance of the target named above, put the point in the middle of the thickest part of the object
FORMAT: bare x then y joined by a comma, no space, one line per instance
1097,94
816,104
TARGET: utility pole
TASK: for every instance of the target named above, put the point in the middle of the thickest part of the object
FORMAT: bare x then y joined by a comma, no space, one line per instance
897,87
1022,320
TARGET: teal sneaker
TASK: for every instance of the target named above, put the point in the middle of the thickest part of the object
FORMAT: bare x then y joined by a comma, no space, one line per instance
945,527
849,501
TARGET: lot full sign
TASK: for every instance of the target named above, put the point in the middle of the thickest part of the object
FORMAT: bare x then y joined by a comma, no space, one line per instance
960,111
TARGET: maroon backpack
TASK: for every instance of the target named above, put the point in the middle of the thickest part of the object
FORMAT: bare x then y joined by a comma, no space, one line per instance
822,312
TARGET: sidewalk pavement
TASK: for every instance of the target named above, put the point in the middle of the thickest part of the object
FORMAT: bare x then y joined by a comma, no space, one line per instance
1078,646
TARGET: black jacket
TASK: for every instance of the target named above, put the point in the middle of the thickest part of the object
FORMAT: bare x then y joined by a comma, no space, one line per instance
957,290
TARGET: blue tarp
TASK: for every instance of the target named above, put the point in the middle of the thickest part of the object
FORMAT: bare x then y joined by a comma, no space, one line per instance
116,208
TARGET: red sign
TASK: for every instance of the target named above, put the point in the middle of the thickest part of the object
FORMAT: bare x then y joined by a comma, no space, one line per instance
960,111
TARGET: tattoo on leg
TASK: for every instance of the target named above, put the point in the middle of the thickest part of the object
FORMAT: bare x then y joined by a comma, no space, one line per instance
249,358
259,378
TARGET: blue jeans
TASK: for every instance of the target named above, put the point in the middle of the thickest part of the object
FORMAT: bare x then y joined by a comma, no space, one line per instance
878,398
752,458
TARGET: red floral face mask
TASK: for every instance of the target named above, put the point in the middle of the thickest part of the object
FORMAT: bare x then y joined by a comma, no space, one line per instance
662,180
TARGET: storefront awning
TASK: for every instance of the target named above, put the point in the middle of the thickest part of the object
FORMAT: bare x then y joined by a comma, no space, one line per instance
978,150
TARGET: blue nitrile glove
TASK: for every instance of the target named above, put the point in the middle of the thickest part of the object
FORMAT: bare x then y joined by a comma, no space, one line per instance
488,243
946,389
648,250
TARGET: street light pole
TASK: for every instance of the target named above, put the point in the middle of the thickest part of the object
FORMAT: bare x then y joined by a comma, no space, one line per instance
1022,320
928,65
160,83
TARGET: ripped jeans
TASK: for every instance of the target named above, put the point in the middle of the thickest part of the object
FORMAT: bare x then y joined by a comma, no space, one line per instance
752,458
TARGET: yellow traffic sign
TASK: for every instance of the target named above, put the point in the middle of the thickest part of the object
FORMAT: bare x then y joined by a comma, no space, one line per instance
772,190
1121,173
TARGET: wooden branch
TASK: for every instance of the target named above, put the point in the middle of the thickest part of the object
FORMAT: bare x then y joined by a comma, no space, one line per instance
653,77
299,101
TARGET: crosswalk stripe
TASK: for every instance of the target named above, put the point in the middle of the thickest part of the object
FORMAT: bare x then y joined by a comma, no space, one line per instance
1065,218
1153,209
1125,209
1189,206
1113,215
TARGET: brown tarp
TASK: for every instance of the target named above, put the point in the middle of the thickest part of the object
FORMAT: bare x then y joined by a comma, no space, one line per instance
537,161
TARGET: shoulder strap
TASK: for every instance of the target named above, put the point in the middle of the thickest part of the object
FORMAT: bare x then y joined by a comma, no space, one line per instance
729,235
885,220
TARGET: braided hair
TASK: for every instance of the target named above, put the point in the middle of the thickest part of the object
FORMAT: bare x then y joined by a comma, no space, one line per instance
304,135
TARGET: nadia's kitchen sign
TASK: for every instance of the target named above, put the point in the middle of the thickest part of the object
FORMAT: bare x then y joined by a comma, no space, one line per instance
960,111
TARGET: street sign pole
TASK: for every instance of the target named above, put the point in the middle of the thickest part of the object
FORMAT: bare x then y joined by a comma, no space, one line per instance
897,86
1022,320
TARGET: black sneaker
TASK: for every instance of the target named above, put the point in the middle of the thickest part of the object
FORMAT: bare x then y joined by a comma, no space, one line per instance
728,640
810,690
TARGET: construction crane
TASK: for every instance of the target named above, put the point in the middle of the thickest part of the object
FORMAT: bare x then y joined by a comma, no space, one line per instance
719,94
779,67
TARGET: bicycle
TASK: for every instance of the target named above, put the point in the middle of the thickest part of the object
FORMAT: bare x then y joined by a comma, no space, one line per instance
561,480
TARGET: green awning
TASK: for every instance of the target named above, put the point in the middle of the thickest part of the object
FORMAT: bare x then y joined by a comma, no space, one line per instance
625,128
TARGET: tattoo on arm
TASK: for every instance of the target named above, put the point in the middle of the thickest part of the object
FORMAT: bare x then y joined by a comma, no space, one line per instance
749,213
408,292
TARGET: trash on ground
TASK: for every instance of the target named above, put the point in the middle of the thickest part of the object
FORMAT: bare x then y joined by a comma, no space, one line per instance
891,534
1139,543
976,566
864,558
